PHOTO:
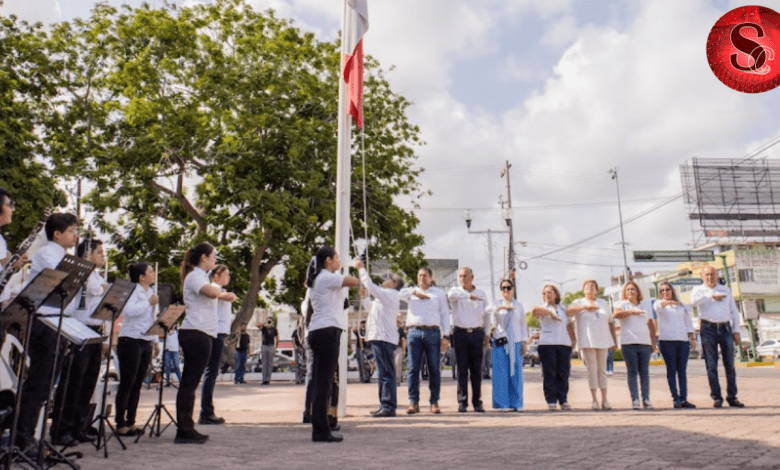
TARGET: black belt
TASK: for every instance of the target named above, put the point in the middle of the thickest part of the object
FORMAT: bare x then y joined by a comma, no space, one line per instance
425,327
707,322
470,330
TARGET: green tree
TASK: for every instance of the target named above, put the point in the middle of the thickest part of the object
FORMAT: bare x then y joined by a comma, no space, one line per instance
218,123
26,87
532,321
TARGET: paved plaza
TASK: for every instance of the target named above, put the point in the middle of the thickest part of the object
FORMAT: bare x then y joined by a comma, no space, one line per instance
264,430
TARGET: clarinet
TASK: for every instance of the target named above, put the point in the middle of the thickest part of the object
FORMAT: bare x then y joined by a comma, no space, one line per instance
87,256
9,269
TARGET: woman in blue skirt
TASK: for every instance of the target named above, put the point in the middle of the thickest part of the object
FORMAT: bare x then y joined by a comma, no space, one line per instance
510,336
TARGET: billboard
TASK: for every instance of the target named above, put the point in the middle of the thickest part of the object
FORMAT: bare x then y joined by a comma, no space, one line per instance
758,271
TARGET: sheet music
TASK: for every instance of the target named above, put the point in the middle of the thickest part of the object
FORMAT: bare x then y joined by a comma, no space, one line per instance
72,329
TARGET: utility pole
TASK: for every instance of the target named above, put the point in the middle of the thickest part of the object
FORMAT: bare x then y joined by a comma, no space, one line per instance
626,270
508,220
467,217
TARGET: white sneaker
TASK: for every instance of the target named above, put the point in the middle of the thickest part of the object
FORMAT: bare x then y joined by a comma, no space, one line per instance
636,404
609,372
647,404
595,405
566,407
605,405
552,406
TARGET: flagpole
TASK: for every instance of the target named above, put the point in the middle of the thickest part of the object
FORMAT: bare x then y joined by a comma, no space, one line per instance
343,177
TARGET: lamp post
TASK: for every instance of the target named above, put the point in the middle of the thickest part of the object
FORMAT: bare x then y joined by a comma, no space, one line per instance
467,217
627,271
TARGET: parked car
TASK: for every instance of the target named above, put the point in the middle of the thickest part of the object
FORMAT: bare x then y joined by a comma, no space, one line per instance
769,348
282,363
532,355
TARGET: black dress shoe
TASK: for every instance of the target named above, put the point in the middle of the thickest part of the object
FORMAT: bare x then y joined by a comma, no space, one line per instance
65,440
479,409
384,414
718,404
378,410
687,404
462,408
335,427
306,418
211,420
332,437
678,404
190,437
736,403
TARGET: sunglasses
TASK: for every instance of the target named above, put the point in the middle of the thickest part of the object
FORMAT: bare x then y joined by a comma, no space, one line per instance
506,288
665,290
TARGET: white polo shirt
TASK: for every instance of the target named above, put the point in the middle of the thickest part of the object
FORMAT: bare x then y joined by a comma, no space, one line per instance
634,329
326,301
674,321
593,326
554,332
138,315
201,310
224,314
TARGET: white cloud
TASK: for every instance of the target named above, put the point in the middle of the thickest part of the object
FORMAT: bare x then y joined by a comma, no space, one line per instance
45,11
561,33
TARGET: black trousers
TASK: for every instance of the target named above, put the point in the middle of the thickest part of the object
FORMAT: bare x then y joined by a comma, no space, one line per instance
196,346
71,406
468,355
556,365
212,371
325,345
134,356
36,386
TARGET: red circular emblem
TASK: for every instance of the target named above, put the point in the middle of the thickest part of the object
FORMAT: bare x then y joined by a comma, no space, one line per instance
741,49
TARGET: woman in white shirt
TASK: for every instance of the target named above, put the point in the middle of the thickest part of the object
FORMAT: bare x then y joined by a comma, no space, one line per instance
596,334
510,335
133,349
676,338
220,277
637,341
555,342
196,333
327,323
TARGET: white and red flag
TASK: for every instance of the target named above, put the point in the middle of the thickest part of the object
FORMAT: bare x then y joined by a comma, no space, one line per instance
355,27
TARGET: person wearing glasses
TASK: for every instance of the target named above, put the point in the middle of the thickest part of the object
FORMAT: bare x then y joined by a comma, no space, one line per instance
596,333
637,340
556,339
676,338
510,336
719,320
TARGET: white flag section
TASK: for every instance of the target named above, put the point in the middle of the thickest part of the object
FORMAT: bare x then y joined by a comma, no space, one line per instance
355,25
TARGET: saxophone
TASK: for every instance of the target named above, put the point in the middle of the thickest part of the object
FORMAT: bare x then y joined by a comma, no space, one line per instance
9,269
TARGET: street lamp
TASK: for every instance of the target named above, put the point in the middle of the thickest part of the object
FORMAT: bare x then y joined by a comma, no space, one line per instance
627,271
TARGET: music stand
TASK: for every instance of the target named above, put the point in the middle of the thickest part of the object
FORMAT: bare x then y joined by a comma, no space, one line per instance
78,271
108,310
22,312
165,322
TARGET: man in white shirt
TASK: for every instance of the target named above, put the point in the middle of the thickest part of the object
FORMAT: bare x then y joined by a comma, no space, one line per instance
719,326
469,323
61,231
428,320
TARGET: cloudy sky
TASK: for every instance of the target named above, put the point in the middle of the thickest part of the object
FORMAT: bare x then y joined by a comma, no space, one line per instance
562,89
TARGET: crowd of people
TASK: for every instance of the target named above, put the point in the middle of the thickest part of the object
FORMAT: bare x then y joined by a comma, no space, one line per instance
461,316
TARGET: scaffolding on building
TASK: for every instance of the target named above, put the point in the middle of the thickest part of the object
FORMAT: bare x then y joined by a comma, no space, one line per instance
732,201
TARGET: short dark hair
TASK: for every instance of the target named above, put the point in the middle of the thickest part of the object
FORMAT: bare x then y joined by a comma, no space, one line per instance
218,269
135,271
426,269
59,222
4,193
81,250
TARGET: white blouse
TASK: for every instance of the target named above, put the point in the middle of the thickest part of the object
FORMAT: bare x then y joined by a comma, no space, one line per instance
593,326
634,328
138,315
674,321
516,321
201,313
224,314
555,332
327,301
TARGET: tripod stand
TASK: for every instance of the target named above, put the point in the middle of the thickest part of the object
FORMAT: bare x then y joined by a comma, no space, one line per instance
23,309
163,325
108,310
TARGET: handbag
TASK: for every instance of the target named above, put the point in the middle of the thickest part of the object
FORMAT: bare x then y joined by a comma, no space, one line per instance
501,341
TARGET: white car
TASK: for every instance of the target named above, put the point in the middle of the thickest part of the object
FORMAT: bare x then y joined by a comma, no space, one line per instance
769,348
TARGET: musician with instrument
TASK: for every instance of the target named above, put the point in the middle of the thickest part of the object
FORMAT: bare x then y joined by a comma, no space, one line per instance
61,231
71,418
6,216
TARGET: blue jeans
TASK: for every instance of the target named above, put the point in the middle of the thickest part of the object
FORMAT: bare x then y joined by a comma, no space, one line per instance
675,355
240,359
384,354
171,361
712,336
637,357
610,360
428,341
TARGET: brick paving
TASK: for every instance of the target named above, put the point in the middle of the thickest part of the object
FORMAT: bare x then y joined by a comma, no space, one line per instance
264,430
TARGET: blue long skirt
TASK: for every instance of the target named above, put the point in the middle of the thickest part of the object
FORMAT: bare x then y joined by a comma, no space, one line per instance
507,389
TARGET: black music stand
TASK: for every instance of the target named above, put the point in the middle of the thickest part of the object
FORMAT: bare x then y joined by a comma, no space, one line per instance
78,271
108,310
165,322
22,312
